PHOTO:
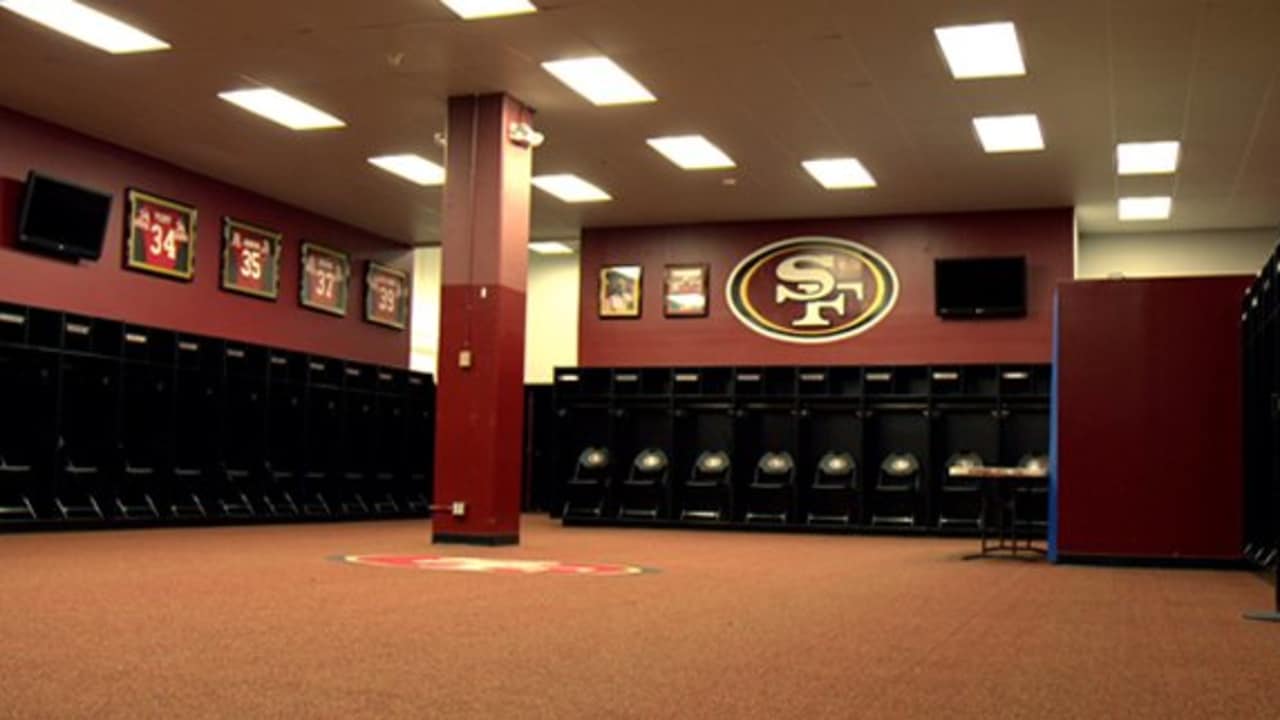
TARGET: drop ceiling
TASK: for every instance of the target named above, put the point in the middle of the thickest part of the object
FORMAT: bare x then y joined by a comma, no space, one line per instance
771,83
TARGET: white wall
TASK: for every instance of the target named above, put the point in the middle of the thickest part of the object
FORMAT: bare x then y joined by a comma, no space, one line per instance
424,331
551,316
1209,252
551,313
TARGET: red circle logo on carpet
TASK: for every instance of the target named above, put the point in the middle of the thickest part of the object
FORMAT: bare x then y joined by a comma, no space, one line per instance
494,566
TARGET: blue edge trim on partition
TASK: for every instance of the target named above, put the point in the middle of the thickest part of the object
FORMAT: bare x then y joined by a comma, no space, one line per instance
1053,431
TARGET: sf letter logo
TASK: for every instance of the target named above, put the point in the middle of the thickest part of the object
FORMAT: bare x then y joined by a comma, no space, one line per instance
811,280
812,289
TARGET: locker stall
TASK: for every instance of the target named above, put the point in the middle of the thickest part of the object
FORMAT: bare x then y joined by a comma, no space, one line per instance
839,448
118,424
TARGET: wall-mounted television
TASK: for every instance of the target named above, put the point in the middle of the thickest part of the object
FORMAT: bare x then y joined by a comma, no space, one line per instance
980,287
63,218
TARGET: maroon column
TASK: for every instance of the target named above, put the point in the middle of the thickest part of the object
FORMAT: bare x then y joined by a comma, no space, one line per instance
480,399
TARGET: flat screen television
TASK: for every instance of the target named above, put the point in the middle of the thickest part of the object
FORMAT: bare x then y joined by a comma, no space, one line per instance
63,218
980,287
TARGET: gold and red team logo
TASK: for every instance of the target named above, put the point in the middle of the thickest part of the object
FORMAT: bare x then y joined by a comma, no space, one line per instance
495,566
812,290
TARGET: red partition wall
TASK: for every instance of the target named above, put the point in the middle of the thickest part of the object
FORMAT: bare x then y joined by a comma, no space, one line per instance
1148,419
911,333
105,289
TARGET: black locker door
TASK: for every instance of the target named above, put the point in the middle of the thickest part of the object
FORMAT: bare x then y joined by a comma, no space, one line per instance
88,431
962,432
27,431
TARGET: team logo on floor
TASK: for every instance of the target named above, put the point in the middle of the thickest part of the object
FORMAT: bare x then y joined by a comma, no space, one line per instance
812,289
494,566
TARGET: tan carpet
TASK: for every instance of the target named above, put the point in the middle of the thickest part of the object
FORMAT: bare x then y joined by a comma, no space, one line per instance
259,623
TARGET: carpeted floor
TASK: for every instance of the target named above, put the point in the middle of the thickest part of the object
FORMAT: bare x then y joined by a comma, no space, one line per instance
260,623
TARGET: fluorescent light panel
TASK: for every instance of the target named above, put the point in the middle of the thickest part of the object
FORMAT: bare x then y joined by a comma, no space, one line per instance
599,80
570,188
414,168
691,152
281,108
981,51
87,25
1148,158
839,173
1009,133
480,9
550,248
1145,208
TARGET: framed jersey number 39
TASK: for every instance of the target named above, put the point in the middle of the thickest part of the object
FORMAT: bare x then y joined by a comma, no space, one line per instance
160,236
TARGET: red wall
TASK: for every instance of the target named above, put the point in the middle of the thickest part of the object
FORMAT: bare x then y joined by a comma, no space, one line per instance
1148,458
912,333
105,289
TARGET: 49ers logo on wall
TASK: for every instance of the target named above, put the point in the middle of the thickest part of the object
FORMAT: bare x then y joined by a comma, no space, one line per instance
161,236
494,566
812,289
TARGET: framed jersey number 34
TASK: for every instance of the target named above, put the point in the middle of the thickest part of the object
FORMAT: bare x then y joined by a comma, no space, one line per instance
160,236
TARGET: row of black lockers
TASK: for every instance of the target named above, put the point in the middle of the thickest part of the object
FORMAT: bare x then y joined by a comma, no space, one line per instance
999,413
104,422
1260,338
914,381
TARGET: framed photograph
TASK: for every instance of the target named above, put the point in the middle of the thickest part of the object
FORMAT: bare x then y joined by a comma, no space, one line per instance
620,291
684,290
250,259
386,296
160,236
325,279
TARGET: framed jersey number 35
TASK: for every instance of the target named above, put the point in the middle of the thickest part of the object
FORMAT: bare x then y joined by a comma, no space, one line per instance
250,259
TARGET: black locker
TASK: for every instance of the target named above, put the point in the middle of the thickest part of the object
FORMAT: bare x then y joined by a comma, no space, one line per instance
766,425
322,446
832,427
197,426
420,433
244,431
117,423
87,449
355,462
640,426
283,483
146,421
389,440
28,382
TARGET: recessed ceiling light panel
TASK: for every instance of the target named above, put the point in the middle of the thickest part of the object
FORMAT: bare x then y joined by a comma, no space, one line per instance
1145,208
550,248
414,168
281,108
1009,133
839,173
87,25
599,80
1148,158
480,9
570,188
691,152
981,51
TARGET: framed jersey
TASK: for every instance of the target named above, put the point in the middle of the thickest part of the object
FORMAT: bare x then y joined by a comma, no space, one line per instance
160,236
386,297
250,259
326,277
